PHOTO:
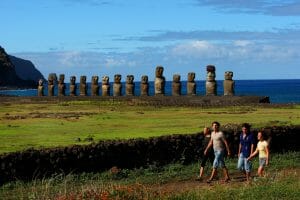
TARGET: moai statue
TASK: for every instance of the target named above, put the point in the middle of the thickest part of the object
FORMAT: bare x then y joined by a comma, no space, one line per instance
130,85
144,86
117,86
51,81
95,86
83,86
105,86
228,84
159,81
41,88
191,84
176,85
73,86
61,85
211,84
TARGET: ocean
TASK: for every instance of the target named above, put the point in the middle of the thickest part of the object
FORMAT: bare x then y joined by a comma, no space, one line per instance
279,91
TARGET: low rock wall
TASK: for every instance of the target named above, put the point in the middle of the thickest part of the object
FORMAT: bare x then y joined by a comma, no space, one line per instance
133,153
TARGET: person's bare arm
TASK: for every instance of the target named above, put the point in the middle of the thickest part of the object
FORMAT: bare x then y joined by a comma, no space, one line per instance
267,152
253,154
227,147
208,146
252,148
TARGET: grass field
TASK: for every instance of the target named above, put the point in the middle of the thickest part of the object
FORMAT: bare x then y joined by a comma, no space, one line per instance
38,125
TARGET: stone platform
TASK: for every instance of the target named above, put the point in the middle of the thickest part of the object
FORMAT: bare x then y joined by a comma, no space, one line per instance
201,101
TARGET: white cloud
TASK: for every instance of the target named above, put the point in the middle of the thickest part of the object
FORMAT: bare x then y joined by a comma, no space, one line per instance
70,58
274,7
81,63
241,56
195,49
235,51
242,43
112,62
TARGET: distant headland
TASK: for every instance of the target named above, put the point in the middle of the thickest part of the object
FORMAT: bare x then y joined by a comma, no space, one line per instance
17,73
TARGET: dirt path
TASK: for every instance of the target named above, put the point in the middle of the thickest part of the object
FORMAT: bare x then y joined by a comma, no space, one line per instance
187,185
237,179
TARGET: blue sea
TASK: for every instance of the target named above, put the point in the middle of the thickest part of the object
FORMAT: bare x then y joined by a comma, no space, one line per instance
279,91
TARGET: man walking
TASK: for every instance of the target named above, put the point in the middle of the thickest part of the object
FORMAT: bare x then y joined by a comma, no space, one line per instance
218,141
246,148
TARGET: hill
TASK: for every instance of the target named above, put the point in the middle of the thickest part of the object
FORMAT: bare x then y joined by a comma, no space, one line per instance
25,69
16,72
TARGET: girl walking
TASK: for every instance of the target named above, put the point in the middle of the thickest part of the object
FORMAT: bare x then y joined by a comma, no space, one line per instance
262,150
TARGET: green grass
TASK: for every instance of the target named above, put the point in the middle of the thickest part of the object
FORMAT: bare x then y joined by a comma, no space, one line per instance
282,188
41,125
282,182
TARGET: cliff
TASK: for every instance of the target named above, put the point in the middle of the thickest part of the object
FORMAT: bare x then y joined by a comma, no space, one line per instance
16,72
25,69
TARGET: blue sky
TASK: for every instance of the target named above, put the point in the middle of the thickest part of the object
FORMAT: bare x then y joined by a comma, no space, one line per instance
254,39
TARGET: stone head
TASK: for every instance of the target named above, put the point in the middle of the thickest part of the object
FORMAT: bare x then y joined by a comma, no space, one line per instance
50,81
41,82
176,78
61,78
82,79
144,79
129,79
105,80
228,75
53,77
95,80
210,76
159,71
191,76
72,80
117,78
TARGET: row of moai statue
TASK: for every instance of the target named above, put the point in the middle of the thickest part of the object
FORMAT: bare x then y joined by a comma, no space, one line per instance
159,84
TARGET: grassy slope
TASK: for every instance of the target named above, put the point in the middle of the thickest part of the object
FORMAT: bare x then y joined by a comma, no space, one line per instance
46,125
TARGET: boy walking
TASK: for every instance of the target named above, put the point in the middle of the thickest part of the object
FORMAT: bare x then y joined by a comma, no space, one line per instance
246,148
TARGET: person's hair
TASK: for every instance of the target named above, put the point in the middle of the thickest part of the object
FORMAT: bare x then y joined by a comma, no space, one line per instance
246,125
263,135
215,123
206,128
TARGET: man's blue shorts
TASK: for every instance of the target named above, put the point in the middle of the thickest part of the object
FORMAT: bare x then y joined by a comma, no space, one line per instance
219,159
243,164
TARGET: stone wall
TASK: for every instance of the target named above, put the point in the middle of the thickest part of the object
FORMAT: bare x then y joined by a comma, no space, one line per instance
133,153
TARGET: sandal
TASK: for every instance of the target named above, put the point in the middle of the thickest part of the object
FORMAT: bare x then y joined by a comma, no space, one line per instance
209,181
